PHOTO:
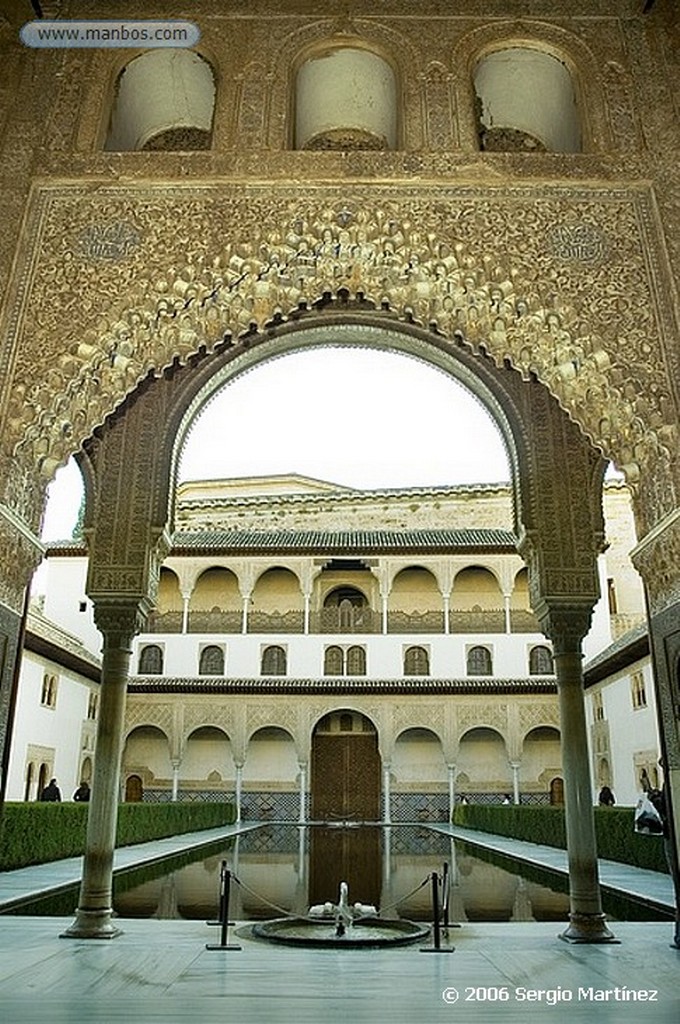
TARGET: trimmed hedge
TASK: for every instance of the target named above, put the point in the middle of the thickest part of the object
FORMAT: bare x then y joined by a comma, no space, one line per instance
614,833
35,833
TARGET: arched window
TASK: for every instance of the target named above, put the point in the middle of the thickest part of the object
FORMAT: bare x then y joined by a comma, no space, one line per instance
479,662
526,102
164,100
273,661
211,662
48,693
416,662
540,661
333,661
93,706
345,99
151,660
356,661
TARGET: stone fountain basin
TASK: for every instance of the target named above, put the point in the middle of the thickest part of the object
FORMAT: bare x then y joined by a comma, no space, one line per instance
365,933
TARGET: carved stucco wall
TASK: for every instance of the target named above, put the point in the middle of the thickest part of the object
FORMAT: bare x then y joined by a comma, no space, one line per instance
120,284
592,267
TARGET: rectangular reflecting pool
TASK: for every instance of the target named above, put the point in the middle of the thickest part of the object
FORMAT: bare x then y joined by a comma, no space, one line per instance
285,869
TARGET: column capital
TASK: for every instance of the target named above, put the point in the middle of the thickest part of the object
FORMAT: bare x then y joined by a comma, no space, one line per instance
565,622
120,620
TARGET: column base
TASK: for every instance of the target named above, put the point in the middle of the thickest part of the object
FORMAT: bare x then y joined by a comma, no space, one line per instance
92,924
588,928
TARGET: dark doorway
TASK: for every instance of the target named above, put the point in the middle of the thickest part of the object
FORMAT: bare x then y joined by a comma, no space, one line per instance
345,769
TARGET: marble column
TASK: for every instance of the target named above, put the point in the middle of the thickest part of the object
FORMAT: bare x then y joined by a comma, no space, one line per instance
175,781
244,615
451,770
515,781
238,790
387,810
446,600
506,609
185,612
118,624
302,816
566,627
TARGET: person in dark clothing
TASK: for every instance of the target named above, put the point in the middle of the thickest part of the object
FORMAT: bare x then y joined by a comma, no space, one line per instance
82,794
658,798
606,797
51,793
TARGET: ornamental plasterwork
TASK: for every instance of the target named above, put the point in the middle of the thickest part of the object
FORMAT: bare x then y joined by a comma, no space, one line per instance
534,715
159,715
415,252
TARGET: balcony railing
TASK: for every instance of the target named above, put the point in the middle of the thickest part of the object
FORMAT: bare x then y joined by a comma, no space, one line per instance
335,620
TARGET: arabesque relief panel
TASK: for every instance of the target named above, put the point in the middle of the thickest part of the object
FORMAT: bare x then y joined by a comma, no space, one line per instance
124,281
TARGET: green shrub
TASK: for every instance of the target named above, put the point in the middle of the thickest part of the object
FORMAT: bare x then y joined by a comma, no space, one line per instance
614,833
35,833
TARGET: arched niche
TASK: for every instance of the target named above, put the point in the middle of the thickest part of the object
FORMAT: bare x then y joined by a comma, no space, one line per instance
276,603
164,99
418,759
476,587
345,99
216,603
271,760
483,758
169,597
207,760
147,754
527,102
541,758
414,588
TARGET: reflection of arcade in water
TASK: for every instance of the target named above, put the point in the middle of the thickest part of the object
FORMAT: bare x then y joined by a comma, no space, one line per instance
287,868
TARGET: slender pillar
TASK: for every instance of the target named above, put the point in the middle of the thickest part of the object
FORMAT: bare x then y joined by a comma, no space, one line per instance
446,598
586,920
451,769
118,624
384,613
302,816
308,598
175,781
508,617
515,781
185,612
244,618
387,810
238,790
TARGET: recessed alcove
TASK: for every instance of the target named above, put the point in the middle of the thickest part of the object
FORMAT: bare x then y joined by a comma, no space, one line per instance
345,99
164,101
526,102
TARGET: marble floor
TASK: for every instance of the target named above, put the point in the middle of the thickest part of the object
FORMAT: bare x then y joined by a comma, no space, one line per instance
161,971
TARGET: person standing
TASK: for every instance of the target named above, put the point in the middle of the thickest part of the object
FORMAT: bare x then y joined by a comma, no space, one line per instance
82,794
51,793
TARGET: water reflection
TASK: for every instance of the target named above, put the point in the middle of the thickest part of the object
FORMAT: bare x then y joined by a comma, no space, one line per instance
285,869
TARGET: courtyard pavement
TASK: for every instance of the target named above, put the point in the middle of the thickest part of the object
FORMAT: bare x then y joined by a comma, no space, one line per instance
161,971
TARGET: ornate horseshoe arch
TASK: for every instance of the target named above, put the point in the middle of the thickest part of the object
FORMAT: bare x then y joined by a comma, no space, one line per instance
372,257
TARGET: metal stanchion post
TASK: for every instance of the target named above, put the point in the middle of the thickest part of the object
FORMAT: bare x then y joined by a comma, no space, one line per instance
436,929
225,884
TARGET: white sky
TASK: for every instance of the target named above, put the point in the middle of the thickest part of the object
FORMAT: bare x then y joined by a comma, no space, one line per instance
357,417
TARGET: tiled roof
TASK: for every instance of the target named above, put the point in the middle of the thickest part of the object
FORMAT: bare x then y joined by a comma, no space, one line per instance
355,541
625,650
338,684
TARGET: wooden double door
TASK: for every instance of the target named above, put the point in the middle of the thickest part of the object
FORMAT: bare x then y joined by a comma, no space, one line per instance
345,776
